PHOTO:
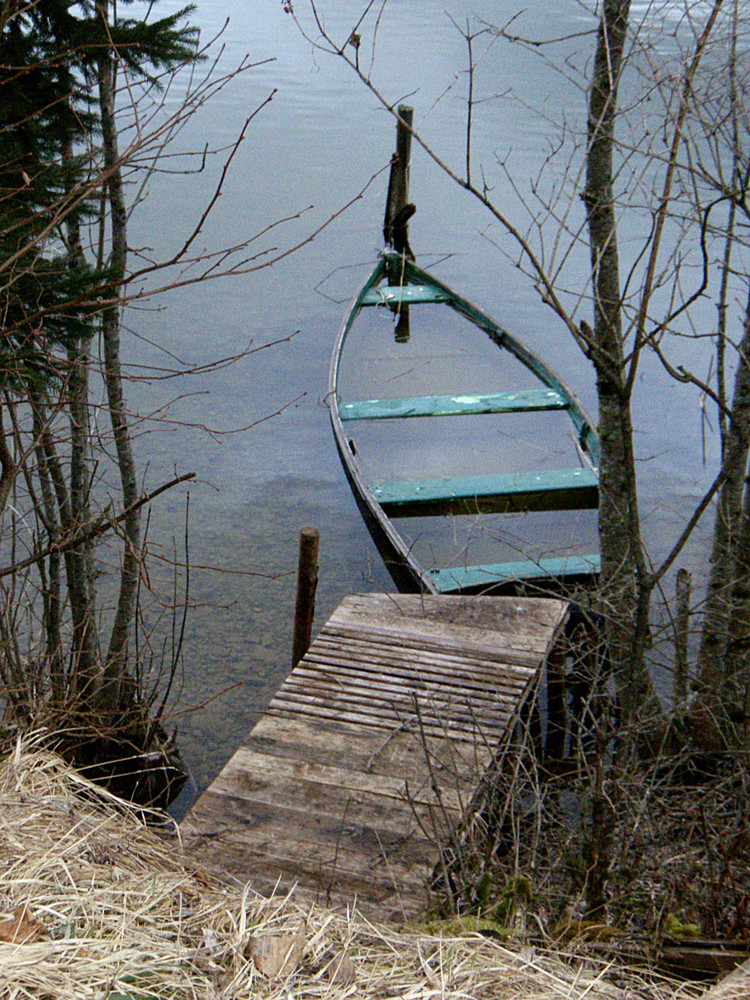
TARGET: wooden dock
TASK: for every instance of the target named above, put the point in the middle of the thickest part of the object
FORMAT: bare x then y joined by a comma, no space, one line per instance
373,748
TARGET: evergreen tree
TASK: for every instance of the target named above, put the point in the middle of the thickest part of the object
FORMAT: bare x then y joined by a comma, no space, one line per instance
42,196
63,259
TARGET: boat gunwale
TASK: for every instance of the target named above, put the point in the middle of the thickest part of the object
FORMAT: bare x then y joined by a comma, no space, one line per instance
360,487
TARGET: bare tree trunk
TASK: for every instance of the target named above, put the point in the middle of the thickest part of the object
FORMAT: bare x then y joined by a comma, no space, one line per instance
80,571
53,591
7,467
80,566
727,607
619,524
115,664
737,673
84,658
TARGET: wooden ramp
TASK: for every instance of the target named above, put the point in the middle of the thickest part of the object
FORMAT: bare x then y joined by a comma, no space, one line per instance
372,750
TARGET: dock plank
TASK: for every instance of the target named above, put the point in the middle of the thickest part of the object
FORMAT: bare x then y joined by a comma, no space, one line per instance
315,837
339,688
333,678
445,668
334,808
396,752
378,868
312,883
519,625
447,673
372,750
248,771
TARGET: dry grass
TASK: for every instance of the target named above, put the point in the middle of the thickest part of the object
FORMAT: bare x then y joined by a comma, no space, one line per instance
103,907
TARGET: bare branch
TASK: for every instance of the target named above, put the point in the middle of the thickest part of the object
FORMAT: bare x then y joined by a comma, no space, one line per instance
100,527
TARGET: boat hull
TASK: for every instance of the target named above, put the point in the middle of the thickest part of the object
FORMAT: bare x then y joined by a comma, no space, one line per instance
388,504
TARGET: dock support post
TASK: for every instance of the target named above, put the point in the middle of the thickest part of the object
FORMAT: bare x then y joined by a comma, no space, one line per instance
307,583
681,632
557,715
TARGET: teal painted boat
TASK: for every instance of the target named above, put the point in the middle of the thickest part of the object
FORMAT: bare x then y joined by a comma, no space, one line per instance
473,464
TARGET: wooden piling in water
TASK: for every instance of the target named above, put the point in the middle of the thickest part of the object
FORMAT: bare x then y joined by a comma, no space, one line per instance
307,583
397,209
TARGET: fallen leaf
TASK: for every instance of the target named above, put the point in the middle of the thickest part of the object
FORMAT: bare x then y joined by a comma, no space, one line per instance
341,970
210,940
20,928
276,955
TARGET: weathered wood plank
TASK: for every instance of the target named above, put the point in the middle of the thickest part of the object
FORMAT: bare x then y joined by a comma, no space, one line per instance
329,803
286,831
352,689
390,675
324,885
518,657
456,616
417,709
390,862
396,752
290,709
510,629
417,661
248,769
385,713
323,806
403,705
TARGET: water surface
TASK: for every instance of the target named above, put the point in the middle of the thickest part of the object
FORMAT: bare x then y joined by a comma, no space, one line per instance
319,142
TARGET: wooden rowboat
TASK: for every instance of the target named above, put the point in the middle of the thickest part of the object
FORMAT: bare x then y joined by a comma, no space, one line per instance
491,488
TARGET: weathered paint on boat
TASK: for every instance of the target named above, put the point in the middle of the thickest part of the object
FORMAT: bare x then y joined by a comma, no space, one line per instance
555,489
524,400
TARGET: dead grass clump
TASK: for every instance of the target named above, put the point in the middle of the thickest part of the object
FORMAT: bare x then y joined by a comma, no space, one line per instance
93,904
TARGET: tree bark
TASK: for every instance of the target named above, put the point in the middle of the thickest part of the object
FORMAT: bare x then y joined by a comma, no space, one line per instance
723,651
52,595
80,565
7,467
623,569
115,664
80,570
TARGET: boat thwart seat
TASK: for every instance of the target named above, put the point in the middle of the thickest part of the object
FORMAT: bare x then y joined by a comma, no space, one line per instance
460,404
551,489
395,295
455,578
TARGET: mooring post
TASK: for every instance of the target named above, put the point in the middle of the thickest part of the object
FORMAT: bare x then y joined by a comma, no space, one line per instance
396,206
307,582
681,634
398,211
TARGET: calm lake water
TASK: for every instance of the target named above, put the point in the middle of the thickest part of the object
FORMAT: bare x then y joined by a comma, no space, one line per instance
317,144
